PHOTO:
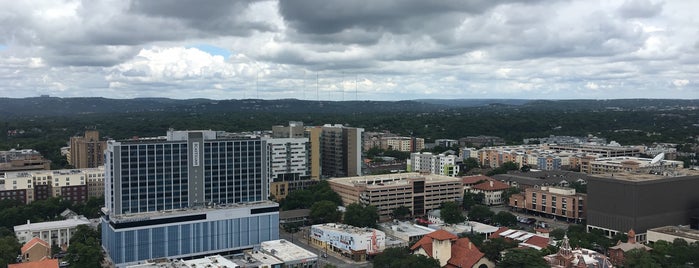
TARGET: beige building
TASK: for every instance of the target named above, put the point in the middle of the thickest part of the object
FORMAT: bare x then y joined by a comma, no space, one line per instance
87,151
36,250
76,185
553,201
670,233
626,164
451,251
419,193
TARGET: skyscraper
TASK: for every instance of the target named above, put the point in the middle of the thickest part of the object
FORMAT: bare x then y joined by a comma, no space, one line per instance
340,151
87,151
184,195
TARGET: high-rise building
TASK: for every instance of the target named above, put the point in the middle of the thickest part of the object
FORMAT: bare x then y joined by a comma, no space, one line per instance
185,195
288,165
87,151
340,151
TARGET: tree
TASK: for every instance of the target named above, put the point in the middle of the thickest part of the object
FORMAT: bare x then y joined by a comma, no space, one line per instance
401,258
523,257
509,165
639,258
471,199
504,218
401,212
480,213
360,216
9,247
450,213
494,247
471,163
509,192
84,250
325,211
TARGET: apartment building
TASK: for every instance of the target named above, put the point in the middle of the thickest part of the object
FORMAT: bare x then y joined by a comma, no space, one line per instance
441,164
419,193
76,185
87,151
551,201
340,150
288,165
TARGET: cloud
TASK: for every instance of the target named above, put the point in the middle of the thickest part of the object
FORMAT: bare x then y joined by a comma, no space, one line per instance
640,9
680,82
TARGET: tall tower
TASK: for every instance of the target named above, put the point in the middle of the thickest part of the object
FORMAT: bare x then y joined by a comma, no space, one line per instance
87,151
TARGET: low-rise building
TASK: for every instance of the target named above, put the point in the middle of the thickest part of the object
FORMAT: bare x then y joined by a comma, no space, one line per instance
524,238
492,189
35,250
46,263
75,185
617,253
348,240
450,250
566,257
291,256
405,231
419,193
54,232
551,201
670,233
626,164
22,160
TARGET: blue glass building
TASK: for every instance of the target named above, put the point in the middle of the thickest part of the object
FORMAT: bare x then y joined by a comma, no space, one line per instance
184,195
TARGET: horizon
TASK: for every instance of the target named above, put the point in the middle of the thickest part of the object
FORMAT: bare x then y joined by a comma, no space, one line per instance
359,50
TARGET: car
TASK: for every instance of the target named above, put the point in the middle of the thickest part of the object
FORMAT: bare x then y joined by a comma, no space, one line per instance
530,221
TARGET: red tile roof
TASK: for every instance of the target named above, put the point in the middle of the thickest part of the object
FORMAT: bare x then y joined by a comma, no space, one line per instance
48,263
491,185
426,241
535,240
33,243
474,179
464,254
442,235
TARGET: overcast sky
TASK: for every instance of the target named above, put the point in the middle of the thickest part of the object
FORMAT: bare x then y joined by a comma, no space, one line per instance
350,49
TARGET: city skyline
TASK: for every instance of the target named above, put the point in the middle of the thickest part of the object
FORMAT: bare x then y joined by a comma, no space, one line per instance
340,50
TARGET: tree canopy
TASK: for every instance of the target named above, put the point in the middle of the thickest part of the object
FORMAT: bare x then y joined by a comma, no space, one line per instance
450,213
361,216
325,211
480,213
471,199
523,257
401,258
84,250
401,212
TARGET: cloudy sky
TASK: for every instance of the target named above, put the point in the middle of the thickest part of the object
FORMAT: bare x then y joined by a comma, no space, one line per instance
346,50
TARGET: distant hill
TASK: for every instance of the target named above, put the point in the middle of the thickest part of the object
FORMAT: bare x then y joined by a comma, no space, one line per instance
474,102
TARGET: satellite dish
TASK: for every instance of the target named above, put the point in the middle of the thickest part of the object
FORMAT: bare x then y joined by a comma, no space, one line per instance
657,158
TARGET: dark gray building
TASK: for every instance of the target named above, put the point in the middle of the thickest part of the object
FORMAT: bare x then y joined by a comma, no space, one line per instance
620,202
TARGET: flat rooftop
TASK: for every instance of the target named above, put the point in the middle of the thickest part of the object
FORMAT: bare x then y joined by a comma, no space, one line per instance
345,228
396,179
185,211
404,228
286,251
678,231
637,177
49,225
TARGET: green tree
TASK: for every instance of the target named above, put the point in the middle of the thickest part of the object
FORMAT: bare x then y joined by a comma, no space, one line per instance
480,213
494,247
325,211
401,258
9,247
401,212
84,250
471,199
360,216
509,192
471,163
639,258
450,213
523,257
504,218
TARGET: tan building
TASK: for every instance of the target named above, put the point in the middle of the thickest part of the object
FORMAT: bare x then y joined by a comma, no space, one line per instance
87,151
340,151
36,250
552,201
419,193
22,160
76,185
492,190
451,251
670,233
627,164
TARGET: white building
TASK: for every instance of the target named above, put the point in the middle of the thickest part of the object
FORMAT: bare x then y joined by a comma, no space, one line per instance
434,164
54,232
289,254
346,239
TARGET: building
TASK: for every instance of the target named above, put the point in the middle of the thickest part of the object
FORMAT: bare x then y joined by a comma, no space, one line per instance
448,143
552,201
548,162
429,163
54,232
492,189
288,165
87,151
35,250
641,202
419,193
537,179
22,160
602,150
76,185
481,141
291,256
618,251
406,231
524,238
47,263
670,233
627,164
403,144
340,151
450,250
566,257
348,240
185,195
293,130
470,181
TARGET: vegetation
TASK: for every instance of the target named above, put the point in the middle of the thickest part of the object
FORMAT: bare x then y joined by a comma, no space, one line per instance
9,247
401,258
450,213
401,212
504,218
493,248
306,198
507,166
361,216
677,253
324,212
509,192
472,199
84,250
480,213
376,152
523,257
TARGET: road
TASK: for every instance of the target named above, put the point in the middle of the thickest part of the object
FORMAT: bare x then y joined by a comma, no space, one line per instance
333,258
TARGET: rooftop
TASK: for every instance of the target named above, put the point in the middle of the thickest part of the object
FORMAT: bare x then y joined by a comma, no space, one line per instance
679,231
345,228
69,223
638,177
47,263
491,185
404,228
184,211
286,251
210,261
377,181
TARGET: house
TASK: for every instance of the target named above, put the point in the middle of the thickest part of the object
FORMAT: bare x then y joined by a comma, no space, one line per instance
47,263
616,253
451,251
492,190
36,250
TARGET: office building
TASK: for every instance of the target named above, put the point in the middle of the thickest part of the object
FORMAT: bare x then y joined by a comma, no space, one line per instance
419,193
552,201
641,202
87,151
185,195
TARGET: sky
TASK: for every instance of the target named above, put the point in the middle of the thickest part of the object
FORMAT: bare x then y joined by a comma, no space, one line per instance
350,50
